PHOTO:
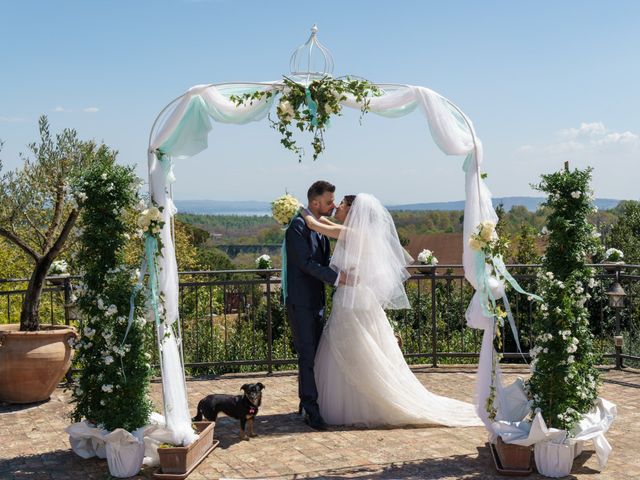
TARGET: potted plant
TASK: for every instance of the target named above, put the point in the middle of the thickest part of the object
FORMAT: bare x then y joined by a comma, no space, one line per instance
39,207
263,262
428,260
112,355
564,381
613,260
58,269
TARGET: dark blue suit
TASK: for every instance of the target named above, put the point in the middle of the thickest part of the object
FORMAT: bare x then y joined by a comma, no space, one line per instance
308,270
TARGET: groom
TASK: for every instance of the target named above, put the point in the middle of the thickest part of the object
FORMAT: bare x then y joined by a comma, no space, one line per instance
307,272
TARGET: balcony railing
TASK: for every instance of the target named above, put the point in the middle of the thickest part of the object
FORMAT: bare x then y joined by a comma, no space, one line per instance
234,320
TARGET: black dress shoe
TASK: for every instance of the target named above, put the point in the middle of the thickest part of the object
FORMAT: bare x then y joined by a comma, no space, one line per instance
316,423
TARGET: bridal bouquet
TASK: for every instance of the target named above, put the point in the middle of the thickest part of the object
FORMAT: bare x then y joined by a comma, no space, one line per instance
285,208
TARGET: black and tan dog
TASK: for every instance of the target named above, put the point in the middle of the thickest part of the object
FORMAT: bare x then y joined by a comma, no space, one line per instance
241,407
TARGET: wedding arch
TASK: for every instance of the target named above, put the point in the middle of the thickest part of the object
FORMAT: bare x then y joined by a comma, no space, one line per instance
181,130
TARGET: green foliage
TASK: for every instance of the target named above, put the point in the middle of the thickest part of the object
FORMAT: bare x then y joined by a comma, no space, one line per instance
524,246
564,380
39,206
309,107
625,233
112,389
238,229
214,259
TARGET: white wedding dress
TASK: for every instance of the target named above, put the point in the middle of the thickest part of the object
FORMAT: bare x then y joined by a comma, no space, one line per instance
361,374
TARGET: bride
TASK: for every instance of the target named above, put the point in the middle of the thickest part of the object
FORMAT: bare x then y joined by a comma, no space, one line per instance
360,371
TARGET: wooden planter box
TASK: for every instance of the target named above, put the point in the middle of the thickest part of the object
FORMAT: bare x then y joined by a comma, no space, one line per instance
511,459
179,462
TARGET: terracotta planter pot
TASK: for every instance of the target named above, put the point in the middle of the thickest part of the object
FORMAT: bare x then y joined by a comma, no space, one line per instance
514,457
33,363
179,462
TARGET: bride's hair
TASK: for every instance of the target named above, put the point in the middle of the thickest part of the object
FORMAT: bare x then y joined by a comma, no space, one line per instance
349,199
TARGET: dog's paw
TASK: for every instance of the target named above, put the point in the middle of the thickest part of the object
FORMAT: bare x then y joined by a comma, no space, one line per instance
244,437
252,435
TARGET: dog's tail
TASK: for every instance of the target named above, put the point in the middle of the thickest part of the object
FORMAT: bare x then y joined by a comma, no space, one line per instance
198,416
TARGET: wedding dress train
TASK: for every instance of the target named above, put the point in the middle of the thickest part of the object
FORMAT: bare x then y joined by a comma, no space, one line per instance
363,378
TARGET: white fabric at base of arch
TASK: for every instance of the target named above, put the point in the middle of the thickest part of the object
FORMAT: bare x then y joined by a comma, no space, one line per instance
184,133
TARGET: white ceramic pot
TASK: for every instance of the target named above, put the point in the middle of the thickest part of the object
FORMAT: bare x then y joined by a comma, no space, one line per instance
554,459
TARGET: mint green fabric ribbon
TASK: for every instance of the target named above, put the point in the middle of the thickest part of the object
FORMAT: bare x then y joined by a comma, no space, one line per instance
482,278
150,251
148,263
312,106
283,282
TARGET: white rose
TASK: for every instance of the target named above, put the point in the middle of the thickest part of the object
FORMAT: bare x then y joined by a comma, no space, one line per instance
285,110
475,244
487,230
155,213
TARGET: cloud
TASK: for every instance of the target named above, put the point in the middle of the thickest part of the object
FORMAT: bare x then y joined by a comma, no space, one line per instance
524,149
12,119
59,109
588,139
91,109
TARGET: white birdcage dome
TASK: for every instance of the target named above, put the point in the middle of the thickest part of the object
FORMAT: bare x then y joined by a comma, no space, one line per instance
311,60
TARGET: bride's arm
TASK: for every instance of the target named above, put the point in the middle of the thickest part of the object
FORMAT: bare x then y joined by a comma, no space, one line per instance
323,226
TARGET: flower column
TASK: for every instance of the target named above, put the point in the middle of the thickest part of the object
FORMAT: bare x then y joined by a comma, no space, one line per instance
564,382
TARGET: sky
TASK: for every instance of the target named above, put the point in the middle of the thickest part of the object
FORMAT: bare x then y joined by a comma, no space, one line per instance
544,82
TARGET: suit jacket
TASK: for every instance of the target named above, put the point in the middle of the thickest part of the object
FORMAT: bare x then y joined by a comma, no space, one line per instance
308,255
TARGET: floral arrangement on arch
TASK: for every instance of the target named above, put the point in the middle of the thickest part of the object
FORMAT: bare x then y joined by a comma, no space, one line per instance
485,241
564,381
309,107
112,386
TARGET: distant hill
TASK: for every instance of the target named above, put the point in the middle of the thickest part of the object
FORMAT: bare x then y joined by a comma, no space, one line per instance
221,207
531,203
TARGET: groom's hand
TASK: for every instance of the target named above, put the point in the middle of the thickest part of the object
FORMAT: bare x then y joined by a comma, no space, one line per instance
345,279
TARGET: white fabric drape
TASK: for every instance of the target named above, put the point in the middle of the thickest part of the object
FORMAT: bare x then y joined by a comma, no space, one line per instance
184,133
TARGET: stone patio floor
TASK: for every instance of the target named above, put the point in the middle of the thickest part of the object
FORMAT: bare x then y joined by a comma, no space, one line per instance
33,444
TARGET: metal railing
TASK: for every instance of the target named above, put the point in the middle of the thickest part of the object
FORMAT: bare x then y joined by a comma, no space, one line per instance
234,320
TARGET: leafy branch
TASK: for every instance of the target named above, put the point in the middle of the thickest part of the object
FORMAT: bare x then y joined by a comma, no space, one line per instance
309,107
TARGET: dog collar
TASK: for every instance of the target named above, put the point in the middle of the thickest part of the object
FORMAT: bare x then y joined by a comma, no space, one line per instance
252,410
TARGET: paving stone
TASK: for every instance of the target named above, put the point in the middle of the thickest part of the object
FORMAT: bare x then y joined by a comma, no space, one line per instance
34,446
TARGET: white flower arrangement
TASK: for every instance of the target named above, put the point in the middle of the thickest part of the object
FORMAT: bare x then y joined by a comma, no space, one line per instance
285,208
613,255
426,257
485,236
150,220
263,262
58,267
